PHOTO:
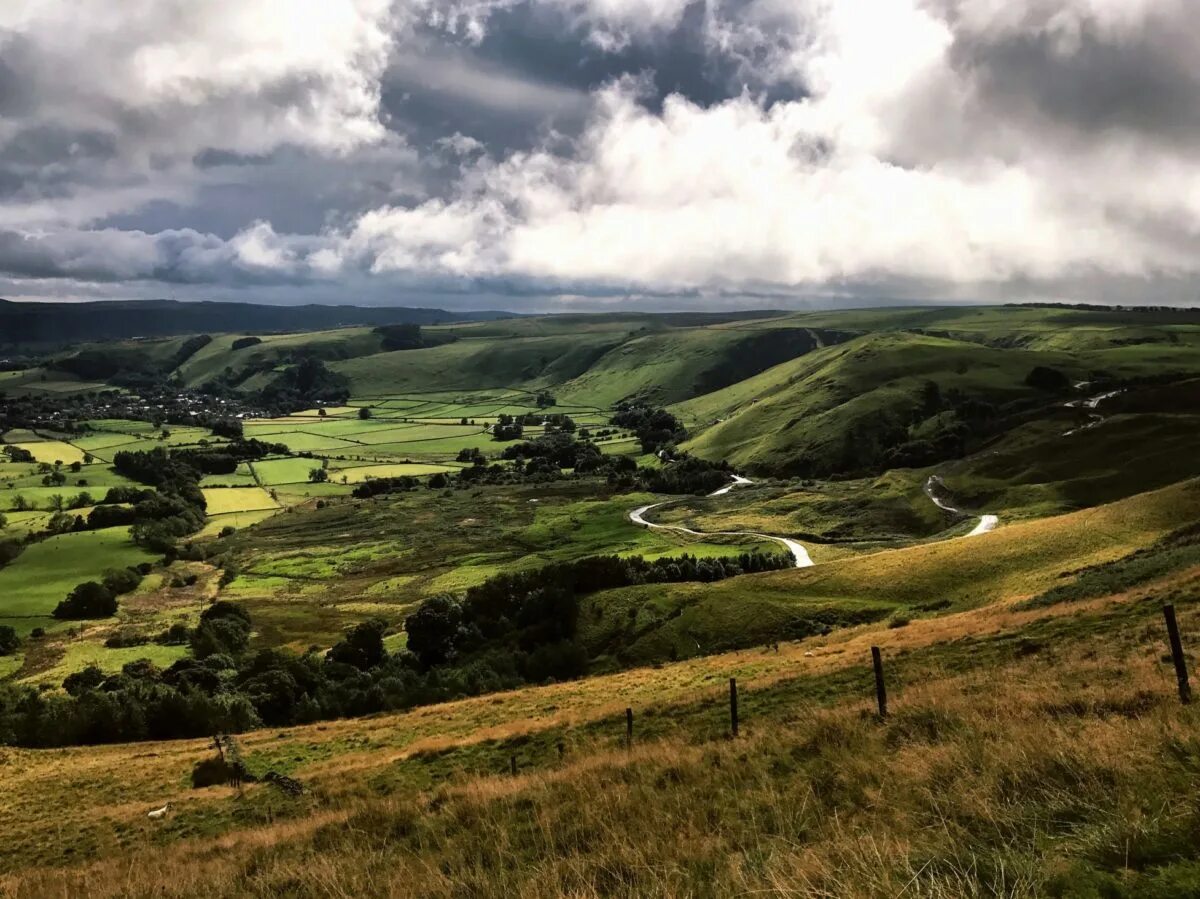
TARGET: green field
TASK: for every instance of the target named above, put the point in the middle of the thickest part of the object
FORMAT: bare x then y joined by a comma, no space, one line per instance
789,398
238,499
46,572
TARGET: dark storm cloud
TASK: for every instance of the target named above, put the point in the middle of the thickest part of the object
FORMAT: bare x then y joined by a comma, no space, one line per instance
530,149
537,65
1144,82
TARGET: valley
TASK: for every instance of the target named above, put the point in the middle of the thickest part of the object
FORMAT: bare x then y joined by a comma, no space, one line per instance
395,571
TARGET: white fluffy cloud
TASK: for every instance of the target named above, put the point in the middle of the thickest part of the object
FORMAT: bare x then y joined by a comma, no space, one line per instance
863,180
957,142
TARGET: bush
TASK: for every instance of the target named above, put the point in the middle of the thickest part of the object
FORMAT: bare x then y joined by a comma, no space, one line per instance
122,580
88,600
1049,379
9,641
9,550
211,772
123,639
224,630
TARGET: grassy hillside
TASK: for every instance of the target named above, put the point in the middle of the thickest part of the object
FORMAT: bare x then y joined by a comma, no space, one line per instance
804,413
1026,754
659,622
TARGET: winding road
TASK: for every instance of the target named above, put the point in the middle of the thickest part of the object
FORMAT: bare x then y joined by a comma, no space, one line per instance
1089,405
986,522
795,549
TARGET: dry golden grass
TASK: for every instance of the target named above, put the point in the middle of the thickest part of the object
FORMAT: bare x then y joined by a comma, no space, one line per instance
989,779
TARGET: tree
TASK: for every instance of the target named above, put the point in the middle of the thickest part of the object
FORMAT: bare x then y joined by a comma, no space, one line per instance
87,600
362,646
432,629
81,500
3,521
9,641
1048,379
224,629
9,550
318,475
364,413
76,466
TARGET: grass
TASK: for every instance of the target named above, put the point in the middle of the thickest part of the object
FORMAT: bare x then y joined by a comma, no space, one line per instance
1027,754
805,408
238,499
80,655
1016,561
45,572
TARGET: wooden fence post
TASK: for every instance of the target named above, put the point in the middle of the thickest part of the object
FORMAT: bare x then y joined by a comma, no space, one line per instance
628,728
733,707
880,688
1181,672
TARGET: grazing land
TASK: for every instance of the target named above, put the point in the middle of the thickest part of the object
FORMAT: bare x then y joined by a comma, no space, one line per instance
413,580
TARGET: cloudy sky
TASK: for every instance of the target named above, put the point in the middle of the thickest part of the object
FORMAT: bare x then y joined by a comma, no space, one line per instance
548,154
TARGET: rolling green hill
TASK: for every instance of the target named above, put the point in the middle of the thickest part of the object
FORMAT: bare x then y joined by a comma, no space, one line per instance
827,409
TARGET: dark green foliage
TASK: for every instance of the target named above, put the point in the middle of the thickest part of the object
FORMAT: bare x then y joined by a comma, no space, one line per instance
9,641
10,548
1051,380
305,385
512,630
243,342
123,639
226,427
126,495
377,486
654,428
362,647
364,413
400,337
122,580
687,474
80,681
224,629
433,630
507,428
88,600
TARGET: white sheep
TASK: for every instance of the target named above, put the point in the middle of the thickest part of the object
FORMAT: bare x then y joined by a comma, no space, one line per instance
159,813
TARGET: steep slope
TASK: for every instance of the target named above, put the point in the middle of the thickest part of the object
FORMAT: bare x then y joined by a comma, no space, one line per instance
830,410
668,367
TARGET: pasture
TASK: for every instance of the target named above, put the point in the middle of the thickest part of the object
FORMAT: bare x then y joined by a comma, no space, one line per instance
33,584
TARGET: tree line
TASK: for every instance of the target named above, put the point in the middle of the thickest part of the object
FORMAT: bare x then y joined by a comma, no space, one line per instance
514,629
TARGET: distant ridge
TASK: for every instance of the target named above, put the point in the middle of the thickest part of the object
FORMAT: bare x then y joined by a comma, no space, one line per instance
62,323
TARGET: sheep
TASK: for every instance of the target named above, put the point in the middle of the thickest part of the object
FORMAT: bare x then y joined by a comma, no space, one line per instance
159,813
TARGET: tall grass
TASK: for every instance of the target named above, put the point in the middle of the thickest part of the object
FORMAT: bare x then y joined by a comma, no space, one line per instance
1028,754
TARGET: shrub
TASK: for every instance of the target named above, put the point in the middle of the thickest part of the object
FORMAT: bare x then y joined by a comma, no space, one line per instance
224,630
87,600
123,639
122,580
9,641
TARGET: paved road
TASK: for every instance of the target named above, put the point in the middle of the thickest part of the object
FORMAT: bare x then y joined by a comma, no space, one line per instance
797,550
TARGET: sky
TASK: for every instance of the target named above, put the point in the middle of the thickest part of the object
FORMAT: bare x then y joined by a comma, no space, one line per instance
546,155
